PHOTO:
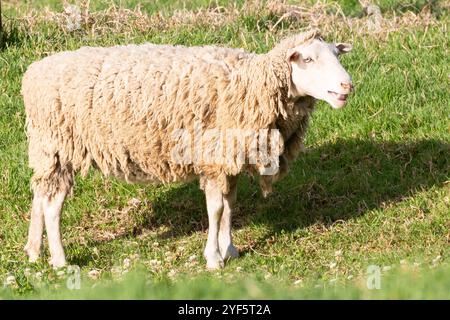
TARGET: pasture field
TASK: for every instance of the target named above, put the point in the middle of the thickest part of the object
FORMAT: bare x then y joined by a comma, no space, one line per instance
369,198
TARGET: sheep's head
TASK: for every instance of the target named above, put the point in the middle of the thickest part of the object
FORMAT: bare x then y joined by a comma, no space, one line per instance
317,72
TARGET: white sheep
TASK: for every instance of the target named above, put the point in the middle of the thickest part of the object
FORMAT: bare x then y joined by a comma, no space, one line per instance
117,108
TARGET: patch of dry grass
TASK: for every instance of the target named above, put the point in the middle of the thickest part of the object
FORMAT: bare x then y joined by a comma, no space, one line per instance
284,18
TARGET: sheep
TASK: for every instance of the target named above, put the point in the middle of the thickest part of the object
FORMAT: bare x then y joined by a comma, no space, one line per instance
117,109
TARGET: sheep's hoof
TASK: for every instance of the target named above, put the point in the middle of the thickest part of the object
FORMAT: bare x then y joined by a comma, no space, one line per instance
214,261
214,265
33,253
230,252
58,262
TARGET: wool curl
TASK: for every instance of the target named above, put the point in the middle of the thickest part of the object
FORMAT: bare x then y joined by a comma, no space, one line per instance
116,108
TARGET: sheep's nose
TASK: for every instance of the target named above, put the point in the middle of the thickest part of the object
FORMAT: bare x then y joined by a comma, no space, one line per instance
347,86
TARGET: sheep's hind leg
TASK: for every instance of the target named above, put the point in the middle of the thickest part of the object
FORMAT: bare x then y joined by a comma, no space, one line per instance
50,192
226,247
36,229
214,203
52,213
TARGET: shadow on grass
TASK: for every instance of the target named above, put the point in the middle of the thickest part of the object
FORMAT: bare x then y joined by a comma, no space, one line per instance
336,181
11,35
416,6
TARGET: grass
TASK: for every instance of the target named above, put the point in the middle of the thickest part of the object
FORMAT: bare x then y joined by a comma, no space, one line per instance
372,190
401,283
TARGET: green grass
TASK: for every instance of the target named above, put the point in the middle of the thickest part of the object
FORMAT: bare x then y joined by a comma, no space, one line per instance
149,6
372,190
400,283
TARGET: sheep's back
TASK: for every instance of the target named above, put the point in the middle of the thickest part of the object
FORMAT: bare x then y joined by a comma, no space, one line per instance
117,107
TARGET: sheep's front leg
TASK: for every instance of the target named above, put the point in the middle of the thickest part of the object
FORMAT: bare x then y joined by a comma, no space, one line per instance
226,247
36,229
52,207
214,204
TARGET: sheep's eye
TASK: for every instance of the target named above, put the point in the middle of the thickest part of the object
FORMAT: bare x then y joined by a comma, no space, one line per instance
307,60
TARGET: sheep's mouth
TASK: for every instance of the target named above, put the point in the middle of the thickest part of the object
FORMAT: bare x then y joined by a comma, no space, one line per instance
339,98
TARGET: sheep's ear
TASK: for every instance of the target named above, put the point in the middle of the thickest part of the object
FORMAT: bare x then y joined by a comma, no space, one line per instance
343,48
293,55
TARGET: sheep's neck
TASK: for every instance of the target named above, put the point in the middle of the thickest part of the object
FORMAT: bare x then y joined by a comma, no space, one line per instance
257,93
